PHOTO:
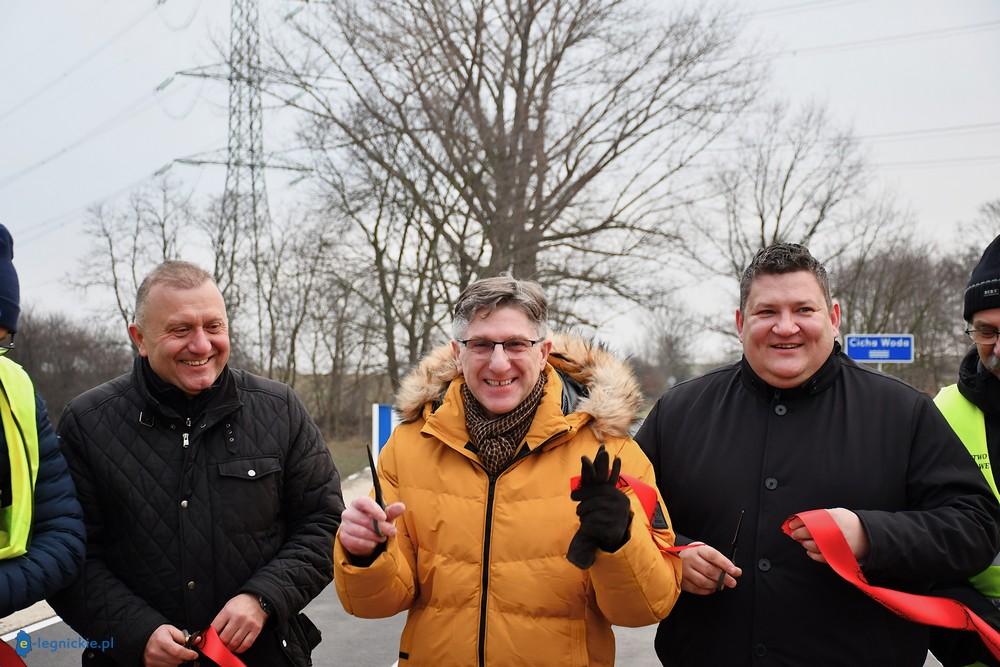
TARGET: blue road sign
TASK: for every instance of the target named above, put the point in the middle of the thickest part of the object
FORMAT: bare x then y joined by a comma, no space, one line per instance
880,348
384,419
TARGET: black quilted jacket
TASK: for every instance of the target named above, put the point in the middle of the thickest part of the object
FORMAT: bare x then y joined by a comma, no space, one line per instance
181,516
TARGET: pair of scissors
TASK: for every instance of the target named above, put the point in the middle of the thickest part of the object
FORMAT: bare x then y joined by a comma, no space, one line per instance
378,490
732,552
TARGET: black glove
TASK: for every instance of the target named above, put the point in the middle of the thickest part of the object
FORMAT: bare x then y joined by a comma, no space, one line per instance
605,512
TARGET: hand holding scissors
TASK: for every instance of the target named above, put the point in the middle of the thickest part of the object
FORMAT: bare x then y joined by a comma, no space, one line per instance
366,522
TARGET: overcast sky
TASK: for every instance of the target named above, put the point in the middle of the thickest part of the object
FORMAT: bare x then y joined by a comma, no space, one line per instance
82,121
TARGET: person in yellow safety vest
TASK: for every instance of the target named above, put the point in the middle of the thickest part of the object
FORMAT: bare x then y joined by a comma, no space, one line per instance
972,407
41,524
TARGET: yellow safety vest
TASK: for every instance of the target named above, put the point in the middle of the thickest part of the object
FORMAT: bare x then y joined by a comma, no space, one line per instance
17,410
969,425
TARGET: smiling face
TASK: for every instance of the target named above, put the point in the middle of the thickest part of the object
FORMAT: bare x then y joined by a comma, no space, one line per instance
786,328
497,381
185,335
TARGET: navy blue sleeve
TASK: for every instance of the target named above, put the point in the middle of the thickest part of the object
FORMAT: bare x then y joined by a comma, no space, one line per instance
56,548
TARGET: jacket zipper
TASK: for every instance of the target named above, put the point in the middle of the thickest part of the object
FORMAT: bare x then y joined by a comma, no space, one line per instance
487,538
486,570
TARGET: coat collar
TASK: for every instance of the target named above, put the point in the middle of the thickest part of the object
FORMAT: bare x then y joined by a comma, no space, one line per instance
821,380
224,399
979,386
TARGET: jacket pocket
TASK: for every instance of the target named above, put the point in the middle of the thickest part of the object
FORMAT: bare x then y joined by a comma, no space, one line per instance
302,637
249,491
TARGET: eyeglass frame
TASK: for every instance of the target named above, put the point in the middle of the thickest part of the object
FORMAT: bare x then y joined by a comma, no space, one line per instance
501,343
973,331
7,344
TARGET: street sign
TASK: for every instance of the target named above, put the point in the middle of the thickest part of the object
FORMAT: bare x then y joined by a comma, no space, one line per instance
880,348
384,419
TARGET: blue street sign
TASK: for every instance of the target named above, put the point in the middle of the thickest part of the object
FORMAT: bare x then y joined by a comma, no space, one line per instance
384,419
880,348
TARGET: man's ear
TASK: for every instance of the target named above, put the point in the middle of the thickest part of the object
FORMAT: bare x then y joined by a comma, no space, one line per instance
835,318
135,333
739,324
456,348
546,346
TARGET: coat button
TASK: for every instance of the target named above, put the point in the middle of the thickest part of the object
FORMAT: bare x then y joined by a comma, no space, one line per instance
190,585
252,472
763,565
284,643
184,504
770,484
780,410
760,650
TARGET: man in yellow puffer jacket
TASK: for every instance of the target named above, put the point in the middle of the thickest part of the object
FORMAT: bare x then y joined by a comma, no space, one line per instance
481,539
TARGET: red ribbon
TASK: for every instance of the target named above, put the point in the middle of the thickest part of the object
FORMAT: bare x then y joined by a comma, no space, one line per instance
212,648
8,657
926,609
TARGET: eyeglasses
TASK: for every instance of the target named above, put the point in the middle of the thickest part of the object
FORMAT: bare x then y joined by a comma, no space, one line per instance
983,335
7,342
513,348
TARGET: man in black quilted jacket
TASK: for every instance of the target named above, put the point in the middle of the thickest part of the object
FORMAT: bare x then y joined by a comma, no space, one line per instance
209,496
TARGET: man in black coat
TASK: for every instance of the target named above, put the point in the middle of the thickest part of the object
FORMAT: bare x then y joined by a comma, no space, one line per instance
797,426
209,495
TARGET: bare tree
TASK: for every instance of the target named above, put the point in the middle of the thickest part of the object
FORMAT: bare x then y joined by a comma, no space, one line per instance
792,177
65,358
131,240
540,137
665,355
907,287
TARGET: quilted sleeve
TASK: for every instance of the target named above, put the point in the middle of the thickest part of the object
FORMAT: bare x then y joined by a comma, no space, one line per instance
639,583
312,504
57,539
387,586
98,604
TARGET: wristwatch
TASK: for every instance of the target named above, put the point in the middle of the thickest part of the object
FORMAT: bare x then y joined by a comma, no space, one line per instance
264,604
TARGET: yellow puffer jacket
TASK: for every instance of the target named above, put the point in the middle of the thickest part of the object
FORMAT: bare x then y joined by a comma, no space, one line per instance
482,567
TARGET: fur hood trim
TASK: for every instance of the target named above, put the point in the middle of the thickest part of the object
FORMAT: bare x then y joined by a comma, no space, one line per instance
612,395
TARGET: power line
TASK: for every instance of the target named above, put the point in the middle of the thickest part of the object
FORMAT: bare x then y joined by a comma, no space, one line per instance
80,63
811,5
888,39
968,128
973,159
133,108
54,223
917,133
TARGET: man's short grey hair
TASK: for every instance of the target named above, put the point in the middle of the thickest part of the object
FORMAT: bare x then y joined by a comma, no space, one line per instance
783,258
486,295
174,273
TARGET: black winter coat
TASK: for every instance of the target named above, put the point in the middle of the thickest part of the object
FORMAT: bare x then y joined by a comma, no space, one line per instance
182,516
55,551
848,437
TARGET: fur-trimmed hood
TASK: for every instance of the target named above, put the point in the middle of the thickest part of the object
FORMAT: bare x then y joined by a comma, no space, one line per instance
610,393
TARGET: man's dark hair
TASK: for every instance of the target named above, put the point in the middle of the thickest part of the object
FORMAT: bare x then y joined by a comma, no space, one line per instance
783,258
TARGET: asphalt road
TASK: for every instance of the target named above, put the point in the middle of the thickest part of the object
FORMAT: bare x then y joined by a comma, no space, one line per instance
347,641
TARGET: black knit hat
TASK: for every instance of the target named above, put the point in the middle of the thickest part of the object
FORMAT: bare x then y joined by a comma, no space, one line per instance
10,289
983,291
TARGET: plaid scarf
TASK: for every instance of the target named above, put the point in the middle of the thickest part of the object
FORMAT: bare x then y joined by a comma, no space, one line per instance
497,438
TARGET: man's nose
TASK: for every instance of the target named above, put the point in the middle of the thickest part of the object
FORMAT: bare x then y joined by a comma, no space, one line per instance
498,358
199,342
786,325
